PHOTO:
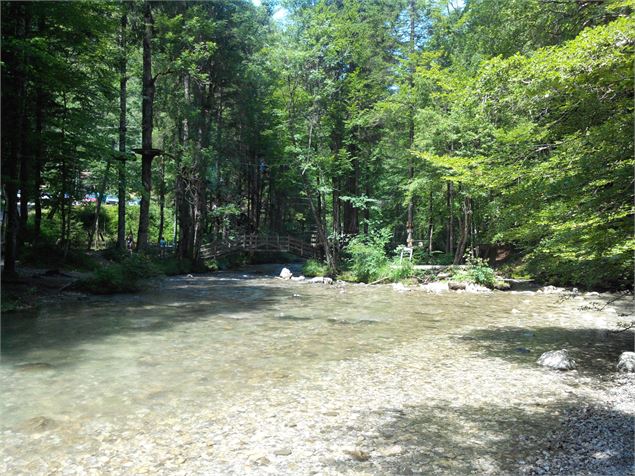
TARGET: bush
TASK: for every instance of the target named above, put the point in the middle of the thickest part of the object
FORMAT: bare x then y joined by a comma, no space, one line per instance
397,270
476,272
48,255
313,267
121,277
367,255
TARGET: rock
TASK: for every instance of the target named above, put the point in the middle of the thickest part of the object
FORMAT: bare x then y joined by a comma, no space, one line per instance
358,455
522,350
400,288
328,280
37,424
551,290
456,286
297,278
317,280
476,288
390,451
502,286
283,452
34,367
443,275
557,359
436,287
285,273
626,362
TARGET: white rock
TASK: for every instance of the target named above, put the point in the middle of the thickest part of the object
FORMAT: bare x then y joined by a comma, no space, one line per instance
435,287
626,362
551,290
328,280
400,288
285,273
557,359
298,278
317,279
476,288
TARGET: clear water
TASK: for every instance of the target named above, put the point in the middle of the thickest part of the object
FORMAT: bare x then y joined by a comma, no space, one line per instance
140,360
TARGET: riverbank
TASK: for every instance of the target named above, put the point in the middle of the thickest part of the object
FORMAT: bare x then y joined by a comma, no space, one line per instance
239,373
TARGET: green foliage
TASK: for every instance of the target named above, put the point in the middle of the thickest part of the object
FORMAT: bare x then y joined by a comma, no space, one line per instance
367,255
396,270
477,272
45,254
313,267
121,277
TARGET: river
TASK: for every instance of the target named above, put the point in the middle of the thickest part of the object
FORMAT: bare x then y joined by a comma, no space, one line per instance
242,373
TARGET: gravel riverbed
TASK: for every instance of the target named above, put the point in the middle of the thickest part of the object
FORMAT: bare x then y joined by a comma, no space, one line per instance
458,402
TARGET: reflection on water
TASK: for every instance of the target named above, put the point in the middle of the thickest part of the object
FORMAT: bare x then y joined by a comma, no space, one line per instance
216,339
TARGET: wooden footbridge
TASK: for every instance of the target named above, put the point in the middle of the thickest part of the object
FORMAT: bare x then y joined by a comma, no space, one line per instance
255,243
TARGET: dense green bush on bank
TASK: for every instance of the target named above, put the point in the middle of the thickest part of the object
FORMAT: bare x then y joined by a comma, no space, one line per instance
313,267
477,272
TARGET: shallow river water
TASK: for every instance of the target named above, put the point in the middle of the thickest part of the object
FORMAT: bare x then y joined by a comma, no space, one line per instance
237,373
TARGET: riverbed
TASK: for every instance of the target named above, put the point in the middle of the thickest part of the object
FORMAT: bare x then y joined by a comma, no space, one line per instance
242,373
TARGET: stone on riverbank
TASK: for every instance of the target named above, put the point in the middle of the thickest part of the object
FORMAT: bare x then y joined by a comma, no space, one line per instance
626,362
297,278
457,286
551,290
285,273
557,360
435,287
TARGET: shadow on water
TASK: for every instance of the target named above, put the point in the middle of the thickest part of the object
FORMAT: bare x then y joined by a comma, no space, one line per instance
178,301
594,350
452,439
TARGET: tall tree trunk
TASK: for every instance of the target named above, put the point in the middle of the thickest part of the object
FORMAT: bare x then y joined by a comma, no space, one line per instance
38,162
449,247
121,165
162,201
411,126
100,197
465,224
430,224
25,149
146,129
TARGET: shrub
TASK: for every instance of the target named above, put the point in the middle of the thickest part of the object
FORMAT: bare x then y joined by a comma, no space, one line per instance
313,267
397,270
121,277
477,271
367,255
48,255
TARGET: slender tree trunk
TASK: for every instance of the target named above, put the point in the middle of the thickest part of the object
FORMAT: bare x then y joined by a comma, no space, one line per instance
100,197
25,149
449,247
146,129
38,162
121,165
465,225
430,224
411,127
162,201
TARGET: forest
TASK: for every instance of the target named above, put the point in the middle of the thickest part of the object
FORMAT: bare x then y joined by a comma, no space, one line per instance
459,128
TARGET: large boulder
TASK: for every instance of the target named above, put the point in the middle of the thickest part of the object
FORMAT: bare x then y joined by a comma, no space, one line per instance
626,362
285,273
557,360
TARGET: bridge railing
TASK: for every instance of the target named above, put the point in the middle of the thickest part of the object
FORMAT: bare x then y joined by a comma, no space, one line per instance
254,242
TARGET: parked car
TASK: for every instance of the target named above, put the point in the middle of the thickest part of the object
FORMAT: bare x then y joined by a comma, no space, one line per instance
111,200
